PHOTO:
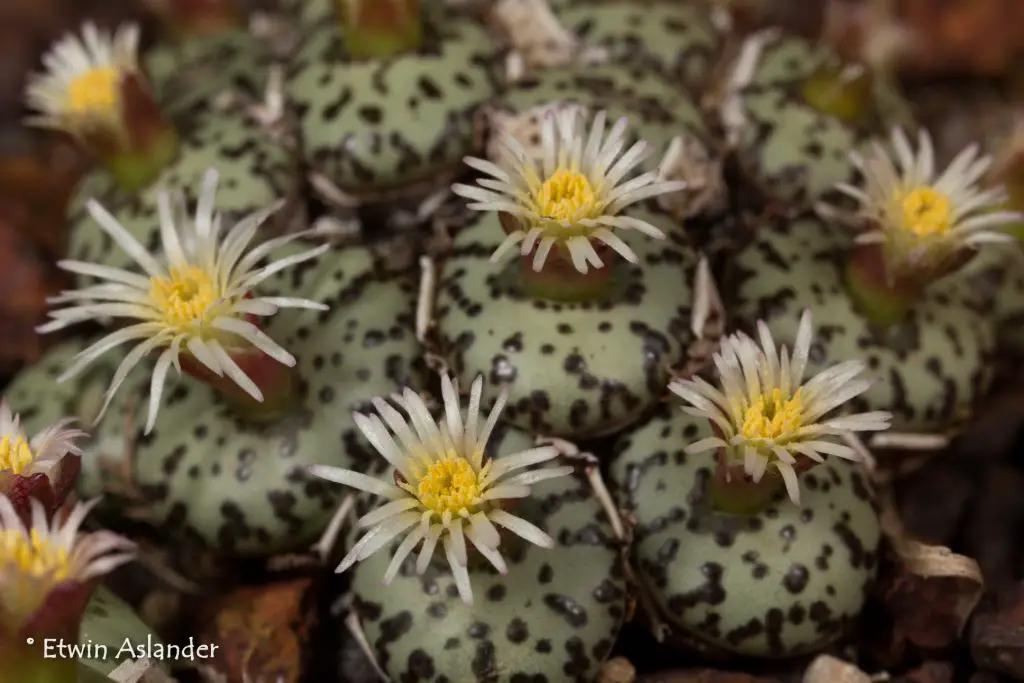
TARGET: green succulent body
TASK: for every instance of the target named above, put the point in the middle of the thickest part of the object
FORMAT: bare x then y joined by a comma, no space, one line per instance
573,369
931,367
253,174
241,487
554,616
781,582
674,39
789,150
188,76
394,126
107,625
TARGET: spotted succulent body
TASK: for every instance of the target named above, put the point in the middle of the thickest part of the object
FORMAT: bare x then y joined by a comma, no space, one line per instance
997,275
574,369
658,109
109,621
792,152
187,76
931,367
784,581
375,127
254,173
674,39
553,617
240,487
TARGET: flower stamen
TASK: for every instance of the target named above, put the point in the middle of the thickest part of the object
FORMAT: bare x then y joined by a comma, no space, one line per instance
35,555
450,485
15,453
772,416
926,212
566,195
93,91
186,297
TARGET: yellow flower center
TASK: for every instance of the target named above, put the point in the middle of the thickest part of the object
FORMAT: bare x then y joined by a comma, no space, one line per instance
34,555
926,212
95,90
565,195
185,296
450,485
773,417
15,454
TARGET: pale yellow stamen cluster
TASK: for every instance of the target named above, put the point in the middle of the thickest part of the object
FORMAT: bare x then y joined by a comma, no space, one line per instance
34,555
186,295
772,417
566,195
927,212
449,485
15,454
93,91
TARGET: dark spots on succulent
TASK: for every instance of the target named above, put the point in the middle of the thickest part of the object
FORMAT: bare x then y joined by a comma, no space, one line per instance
478,630
710,592
543,646
371,115
193,472
438,610
579,662
503,371
513,344
173,461
420,667
452,644
573,612
200,432
496,593
859,556
751,629
246,458
429,88
282,504
326,395
608,593
860,487
563,328
796,578
235,526
547,349
483,663
545,574
574,363
517,632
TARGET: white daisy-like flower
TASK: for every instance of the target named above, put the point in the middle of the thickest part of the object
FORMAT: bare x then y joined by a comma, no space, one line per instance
574,196
198,297
765,415
443,489
38,558
925,219
81,86
43,453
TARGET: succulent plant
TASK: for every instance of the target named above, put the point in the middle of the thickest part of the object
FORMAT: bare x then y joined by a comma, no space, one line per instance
41,468
48,571
897,294
509,600
385,106
546,321
727,559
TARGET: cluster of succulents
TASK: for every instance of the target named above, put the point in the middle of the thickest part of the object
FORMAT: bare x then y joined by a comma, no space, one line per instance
575,297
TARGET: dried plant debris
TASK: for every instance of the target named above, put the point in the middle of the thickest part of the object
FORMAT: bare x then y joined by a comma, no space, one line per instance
932,591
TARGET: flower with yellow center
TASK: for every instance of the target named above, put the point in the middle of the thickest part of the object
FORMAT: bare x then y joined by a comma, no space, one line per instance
38,558
575,195
445,488
82,84
765,415
925,219
21,458
198,299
